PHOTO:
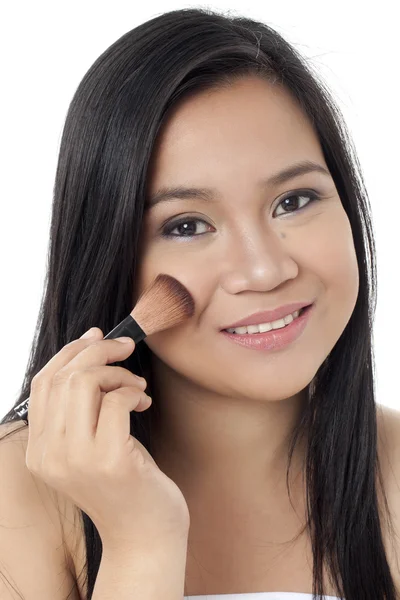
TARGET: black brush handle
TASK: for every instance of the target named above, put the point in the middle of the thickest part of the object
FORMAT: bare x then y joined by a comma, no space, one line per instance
128,327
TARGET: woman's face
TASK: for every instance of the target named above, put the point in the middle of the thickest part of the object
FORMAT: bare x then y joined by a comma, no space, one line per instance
245,250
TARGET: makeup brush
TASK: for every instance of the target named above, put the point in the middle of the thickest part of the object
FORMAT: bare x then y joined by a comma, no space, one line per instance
165,303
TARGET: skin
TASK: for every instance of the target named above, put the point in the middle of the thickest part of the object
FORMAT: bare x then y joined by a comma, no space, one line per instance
226,411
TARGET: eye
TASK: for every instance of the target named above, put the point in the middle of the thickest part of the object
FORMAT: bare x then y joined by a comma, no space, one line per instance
289,201
188,231
302,195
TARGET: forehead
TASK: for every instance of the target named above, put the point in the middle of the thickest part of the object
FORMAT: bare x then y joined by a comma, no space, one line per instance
251,127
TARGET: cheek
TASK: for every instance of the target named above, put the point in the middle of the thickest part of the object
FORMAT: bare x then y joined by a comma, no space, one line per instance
186,264
334,264
337,259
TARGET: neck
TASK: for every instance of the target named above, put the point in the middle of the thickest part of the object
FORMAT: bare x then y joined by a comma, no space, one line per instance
203,440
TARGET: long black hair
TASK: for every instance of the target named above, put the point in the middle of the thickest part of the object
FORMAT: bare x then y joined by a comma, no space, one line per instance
99,196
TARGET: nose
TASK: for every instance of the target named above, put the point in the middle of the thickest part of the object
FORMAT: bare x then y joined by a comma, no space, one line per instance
259,261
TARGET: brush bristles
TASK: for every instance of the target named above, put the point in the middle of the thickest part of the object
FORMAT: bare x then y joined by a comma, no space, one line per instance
164,304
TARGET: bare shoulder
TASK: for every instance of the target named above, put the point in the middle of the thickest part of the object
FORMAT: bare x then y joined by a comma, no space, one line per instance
388,426
388,422
41,529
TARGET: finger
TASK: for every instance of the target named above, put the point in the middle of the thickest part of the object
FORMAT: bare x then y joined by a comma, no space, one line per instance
113,425
73,389
38,408
99,353
82,399
108,351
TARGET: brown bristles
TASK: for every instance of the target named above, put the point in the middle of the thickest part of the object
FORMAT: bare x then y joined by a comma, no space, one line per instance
165,303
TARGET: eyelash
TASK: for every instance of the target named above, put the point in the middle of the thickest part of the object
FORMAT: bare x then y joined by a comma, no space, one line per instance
166,231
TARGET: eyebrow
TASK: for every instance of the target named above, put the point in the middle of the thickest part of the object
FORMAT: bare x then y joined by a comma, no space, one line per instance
209,194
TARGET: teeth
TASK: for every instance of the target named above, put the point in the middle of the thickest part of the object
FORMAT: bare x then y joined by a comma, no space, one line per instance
263,327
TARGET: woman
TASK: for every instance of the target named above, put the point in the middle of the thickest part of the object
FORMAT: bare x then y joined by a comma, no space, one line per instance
282,455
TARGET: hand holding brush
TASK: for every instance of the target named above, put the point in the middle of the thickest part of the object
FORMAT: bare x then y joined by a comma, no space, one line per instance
79,429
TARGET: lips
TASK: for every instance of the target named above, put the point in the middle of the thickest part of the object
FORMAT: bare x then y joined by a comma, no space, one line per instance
269,316
275,339
301,311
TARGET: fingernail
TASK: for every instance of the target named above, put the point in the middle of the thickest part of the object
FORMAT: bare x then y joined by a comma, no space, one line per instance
90,333
124,340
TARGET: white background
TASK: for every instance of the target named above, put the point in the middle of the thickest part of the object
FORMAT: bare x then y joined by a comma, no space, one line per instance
46,48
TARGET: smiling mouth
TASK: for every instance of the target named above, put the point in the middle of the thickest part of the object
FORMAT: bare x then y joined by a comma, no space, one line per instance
301,311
